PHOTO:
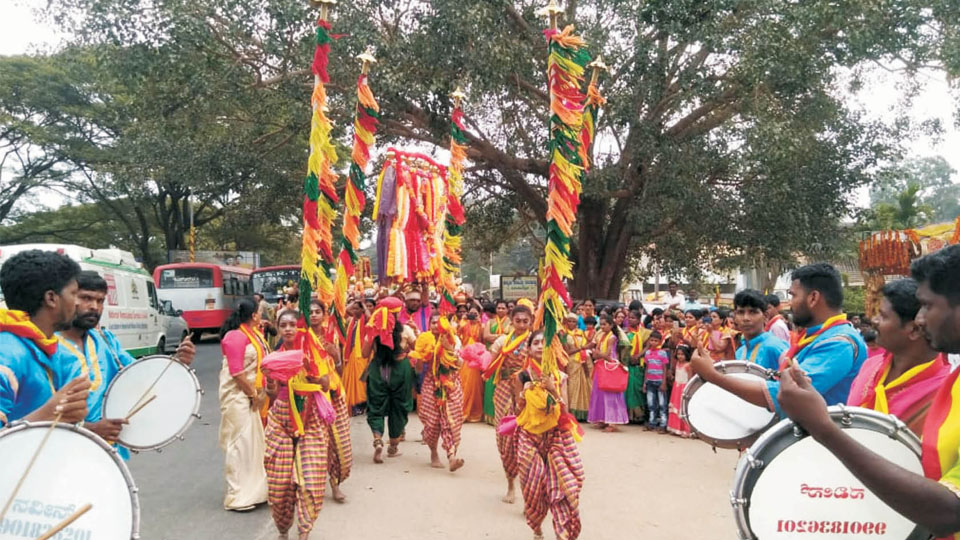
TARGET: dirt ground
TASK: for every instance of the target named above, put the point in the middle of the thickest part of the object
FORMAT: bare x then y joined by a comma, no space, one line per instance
638,485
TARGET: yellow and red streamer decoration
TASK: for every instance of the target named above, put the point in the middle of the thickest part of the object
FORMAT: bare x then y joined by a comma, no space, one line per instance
319,204
365,123
566,64
455,217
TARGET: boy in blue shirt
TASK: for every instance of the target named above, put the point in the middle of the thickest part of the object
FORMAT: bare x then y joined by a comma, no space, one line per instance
759,346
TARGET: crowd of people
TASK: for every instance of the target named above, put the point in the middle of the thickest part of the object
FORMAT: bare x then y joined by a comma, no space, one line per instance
290,381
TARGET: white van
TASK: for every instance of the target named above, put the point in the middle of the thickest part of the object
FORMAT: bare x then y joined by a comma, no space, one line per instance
132,310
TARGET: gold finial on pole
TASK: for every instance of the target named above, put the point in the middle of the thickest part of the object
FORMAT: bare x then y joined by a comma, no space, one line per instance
458,96
597,66
366,60
553,11
325,6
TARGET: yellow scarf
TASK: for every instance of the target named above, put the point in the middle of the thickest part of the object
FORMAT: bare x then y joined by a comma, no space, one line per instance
880,404
94,361
259,344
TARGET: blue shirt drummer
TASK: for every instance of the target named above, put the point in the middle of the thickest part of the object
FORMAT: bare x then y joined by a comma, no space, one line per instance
28,377
832,361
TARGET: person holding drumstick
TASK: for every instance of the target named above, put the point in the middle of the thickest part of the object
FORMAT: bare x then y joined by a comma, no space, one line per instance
98,354
932,500
40,289
829,349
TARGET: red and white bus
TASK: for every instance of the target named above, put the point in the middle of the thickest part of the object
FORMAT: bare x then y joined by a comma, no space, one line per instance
207,293
271,280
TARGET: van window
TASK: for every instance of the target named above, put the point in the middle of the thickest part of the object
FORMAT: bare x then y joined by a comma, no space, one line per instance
152,293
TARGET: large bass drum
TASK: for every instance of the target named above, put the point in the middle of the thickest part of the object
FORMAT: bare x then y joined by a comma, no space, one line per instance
74,468
175,391
787,485
721,418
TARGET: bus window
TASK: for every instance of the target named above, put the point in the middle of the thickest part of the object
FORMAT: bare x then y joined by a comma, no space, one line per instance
186,278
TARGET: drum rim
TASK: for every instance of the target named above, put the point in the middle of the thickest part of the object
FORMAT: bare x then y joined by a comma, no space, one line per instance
21,425
696,382
745,471
190,419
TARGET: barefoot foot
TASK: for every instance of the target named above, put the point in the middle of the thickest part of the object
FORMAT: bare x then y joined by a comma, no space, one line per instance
509,498
455,463
338,495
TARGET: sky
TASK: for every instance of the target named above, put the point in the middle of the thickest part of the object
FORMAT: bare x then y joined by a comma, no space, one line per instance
881,97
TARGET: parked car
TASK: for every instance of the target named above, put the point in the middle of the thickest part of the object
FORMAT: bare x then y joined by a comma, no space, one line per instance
173,327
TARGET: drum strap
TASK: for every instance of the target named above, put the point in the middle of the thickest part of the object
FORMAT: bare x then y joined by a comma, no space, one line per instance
113,353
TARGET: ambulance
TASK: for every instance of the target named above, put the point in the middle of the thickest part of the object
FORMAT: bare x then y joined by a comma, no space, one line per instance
132,311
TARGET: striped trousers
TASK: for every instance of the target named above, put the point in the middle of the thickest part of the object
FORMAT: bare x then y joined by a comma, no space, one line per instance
441,421
551,477
503,404
340,455
296,467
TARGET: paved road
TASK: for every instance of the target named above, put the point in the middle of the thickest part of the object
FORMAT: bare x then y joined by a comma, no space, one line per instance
638,485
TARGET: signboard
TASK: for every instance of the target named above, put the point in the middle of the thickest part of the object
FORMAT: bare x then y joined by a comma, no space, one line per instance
243,259
517,287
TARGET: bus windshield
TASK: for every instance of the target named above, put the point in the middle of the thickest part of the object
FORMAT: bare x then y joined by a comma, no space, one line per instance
272,282
186,278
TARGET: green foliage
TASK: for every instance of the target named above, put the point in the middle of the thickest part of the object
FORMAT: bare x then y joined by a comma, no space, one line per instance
854,299
724,140
914,193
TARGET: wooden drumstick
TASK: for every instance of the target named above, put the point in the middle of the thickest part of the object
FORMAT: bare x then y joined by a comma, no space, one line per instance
33,459
147,391
140,407
66,523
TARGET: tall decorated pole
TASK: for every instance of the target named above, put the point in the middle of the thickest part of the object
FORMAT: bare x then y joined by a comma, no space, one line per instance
591,110
365,122
455,217
319,204
566,64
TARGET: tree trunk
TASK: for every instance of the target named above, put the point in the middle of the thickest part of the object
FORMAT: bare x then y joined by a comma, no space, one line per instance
601,252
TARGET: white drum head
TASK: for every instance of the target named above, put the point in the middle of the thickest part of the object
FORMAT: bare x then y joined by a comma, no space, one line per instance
74,468
797,493
789,486
720,417
160,422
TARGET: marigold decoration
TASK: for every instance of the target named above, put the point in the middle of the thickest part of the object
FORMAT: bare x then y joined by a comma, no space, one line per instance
364,128
565,69
450,269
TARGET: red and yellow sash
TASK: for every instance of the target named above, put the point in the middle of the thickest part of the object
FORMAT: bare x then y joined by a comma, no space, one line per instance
603,340
19,324
941,432
498,326
771,322
799,340
512,344
469,332
876,391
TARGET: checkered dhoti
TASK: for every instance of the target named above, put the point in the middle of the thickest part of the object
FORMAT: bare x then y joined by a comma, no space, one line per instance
441,421
503,404
296,467
340,455
551,477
